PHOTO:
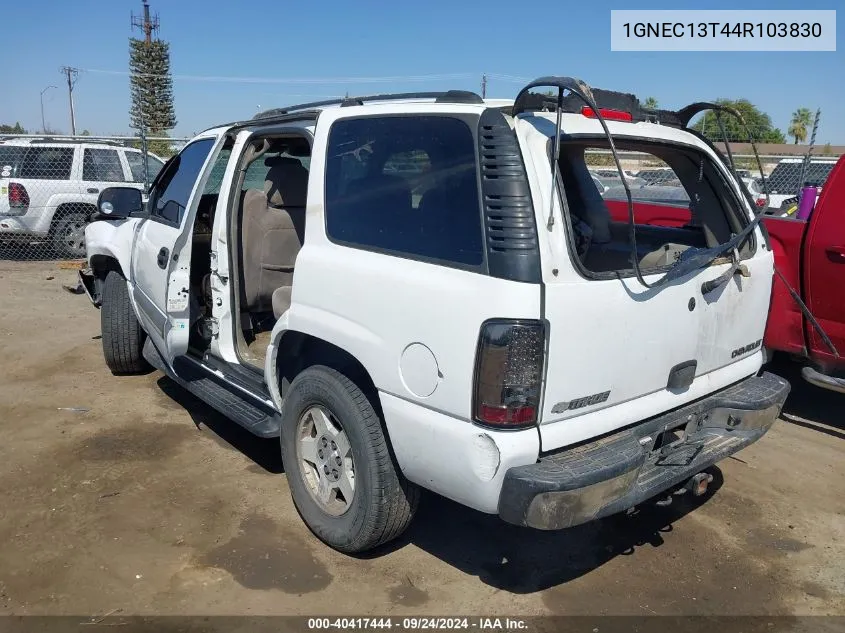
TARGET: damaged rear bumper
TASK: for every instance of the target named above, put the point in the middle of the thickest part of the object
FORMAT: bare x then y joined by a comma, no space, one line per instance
619,471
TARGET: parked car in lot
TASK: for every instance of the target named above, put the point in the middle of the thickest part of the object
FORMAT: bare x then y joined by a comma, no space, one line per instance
471,327
810,259
49,187
611,178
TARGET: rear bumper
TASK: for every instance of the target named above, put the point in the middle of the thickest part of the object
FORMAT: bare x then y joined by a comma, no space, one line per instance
619,471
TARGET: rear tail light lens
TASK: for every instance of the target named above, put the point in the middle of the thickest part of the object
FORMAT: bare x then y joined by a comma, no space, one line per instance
607,113
761,201
508,373
18,196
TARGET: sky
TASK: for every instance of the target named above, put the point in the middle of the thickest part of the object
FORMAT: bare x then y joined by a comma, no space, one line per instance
321,49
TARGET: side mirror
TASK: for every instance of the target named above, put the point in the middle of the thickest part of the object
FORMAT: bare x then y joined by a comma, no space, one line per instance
119,202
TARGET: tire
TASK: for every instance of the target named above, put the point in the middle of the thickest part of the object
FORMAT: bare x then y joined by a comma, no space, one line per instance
383,501
68,234
123,337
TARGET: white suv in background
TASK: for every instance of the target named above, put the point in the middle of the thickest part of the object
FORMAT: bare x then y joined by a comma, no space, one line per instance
49,188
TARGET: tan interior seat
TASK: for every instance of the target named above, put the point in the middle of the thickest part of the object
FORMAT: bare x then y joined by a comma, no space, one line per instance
273,232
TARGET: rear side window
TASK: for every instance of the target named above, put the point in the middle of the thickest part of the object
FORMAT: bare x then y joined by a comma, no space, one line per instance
47,163
102,165
10,158
406,185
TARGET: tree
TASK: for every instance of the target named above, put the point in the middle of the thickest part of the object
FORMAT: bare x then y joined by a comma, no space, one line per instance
759,124
151,86
650,103
801,119
17,128
85,133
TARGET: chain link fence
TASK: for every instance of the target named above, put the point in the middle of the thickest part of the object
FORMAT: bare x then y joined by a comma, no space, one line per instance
49,187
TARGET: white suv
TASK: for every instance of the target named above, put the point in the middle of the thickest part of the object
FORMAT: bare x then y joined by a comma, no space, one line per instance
412,291
49,188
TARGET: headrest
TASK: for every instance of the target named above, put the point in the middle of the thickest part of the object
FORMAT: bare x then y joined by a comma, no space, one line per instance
286,183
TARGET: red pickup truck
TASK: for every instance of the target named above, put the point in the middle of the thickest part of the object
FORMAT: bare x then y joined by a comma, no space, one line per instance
810,256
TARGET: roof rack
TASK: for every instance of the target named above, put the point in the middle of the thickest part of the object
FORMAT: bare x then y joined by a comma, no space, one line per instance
65,139
450,96
528,101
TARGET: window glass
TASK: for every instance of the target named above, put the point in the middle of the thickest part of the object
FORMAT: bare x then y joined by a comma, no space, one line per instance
102,165
406,185
173,190
215,178
256,172
47,163
136,166
10,157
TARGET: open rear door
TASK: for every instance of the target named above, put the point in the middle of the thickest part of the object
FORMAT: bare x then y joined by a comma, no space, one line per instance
824,267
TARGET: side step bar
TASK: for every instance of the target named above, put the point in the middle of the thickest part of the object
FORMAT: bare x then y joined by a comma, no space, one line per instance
259,420
823,380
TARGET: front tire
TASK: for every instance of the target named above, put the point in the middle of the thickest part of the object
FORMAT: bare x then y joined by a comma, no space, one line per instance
342,477
123,337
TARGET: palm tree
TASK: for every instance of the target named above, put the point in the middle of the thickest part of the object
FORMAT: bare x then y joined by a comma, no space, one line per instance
801,119
650,103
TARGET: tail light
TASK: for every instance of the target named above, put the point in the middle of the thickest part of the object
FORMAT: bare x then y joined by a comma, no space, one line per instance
18,196
607,113
508,373
761,201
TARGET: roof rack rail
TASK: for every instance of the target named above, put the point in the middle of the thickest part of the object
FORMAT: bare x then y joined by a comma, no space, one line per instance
450,96
528,101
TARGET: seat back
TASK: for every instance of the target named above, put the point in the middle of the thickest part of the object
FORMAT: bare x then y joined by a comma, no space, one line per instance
273,231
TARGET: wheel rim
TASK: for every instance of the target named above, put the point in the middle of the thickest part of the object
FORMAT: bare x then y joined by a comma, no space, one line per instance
73,235
325,460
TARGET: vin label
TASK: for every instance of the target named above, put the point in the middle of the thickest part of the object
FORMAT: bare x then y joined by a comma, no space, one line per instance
792,30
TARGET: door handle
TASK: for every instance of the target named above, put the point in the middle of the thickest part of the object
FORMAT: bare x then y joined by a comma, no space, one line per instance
836,254
162,257
93,190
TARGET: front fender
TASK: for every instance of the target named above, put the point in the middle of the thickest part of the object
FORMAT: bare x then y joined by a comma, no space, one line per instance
113,239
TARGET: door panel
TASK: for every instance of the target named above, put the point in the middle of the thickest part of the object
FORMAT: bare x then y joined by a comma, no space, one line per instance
824,267
162,253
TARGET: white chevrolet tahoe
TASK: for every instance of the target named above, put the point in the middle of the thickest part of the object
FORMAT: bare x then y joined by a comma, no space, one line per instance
428,291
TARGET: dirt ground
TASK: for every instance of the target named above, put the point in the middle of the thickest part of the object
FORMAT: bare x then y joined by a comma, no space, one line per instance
126,494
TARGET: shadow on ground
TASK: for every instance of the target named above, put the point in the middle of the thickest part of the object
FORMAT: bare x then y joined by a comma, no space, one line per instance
520,560
524,560
810,406
265,453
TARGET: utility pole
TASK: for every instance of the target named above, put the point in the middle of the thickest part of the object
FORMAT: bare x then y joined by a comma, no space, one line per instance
71,74
44,125
484,86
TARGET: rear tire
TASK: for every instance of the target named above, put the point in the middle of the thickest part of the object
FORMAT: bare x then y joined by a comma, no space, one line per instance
123,337
68,234
382,502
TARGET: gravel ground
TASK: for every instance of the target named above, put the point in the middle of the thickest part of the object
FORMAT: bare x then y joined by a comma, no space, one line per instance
125,494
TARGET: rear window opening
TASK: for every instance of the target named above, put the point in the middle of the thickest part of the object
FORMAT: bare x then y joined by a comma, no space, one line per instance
680,197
